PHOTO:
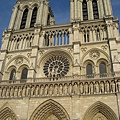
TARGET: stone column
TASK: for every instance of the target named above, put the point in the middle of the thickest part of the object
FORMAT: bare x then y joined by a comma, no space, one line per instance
71,10
80,12
40,13
90,9
76,9
90,33
29,16
13,17
109,7
105,7
100,8
18,19
46,9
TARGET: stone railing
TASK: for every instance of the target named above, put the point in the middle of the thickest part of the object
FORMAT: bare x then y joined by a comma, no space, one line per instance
57,35
21,41
60,88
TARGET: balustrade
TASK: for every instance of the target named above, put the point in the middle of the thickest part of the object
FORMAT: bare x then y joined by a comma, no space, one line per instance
21,41
58,88
56,37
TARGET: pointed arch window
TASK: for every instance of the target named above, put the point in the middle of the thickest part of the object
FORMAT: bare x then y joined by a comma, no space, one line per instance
24,19
12,75
103,70
24,73
89,71
84,9
95,9
34,16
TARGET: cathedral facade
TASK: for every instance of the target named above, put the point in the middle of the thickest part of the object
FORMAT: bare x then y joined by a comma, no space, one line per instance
60,72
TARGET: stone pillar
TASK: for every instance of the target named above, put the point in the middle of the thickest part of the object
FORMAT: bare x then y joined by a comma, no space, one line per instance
40,13
100,8
80,12
13,17
90,33
18,19
46,10
90,9
105,7
76,9
29,16
109,7
71,10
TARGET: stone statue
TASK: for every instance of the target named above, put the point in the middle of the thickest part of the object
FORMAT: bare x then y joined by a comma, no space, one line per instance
19,91
81,88
86,88
60,89
107,87
55,90
37,90
70,89
32,90
91,88
41,90
11,91
50,89
28,91
46,90
102,87
113,87
75,88
24,91
4,92
96,87
15,92
65,89
118,85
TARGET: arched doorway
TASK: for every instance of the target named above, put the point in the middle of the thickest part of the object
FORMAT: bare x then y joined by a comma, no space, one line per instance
50,110
100,111
7,114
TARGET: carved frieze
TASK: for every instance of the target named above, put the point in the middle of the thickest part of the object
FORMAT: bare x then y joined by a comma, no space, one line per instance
94,54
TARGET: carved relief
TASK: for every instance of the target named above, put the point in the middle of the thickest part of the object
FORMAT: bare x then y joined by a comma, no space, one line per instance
104,47
83,49
19,61
94,54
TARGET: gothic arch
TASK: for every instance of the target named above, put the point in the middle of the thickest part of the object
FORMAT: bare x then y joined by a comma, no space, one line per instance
94,49
100,108
49,108
7,113
19,56
50,53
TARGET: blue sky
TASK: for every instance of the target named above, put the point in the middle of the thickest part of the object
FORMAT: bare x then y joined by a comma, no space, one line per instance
60,9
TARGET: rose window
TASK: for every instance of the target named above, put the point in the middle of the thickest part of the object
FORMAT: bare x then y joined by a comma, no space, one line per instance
56,66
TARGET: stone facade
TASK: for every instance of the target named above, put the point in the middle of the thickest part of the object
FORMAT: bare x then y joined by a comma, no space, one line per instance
60,72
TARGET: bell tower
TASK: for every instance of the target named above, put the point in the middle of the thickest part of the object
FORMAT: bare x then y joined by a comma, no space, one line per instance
28,13
89,9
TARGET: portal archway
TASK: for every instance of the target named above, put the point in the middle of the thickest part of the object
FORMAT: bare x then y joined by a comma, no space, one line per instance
7,114
100,111
50,110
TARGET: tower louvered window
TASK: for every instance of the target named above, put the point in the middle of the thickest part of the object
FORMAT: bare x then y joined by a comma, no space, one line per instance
95,9
24,19
85,11
33,19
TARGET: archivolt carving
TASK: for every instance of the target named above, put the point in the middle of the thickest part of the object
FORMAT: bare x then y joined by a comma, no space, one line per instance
94,53
50,108
101,111
7,114
17,60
